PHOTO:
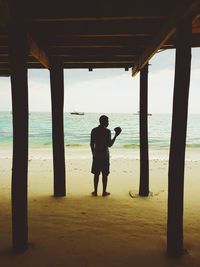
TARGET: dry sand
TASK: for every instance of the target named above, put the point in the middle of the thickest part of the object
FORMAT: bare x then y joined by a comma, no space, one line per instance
83,231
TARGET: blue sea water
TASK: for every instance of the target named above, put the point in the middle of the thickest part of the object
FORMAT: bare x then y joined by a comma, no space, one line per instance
77,129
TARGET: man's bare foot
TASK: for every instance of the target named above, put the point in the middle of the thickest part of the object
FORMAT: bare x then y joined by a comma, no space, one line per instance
94,194
105,194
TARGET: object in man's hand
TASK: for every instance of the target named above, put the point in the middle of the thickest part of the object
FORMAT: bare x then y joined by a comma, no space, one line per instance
117,130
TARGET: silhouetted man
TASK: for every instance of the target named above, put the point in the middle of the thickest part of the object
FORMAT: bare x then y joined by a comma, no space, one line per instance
100,142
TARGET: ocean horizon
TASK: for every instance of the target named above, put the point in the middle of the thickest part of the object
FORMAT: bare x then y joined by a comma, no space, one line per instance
77,129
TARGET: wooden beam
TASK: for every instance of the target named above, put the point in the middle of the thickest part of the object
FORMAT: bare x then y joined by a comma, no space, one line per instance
87,59
3,40
3,51
4,14
100,62
4,59
91,19
186,8
4,65
94,51
4,73
37,52
57,101
87,65
97,57
178,140
18,50
94,40
196,25
144,27
94,9
35,49
97,35
195,40
77,46
144,153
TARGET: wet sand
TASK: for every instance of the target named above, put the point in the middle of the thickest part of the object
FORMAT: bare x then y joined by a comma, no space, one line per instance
81,230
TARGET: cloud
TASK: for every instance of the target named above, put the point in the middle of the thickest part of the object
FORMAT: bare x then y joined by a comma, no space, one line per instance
116,94
110,90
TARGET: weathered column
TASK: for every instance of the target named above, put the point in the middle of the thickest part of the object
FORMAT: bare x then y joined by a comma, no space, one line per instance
57,100
144,153
178,140
18,52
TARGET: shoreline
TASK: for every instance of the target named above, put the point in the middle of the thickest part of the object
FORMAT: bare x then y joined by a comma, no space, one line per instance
84,152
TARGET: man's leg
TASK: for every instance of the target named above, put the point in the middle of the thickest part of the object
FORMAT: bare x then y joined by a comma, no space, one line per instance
105,181
96,181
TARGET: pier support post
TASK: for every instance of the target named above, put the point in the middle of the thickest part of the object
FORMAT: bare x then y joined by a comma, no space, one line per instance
144,153
178,140
57,101
18,50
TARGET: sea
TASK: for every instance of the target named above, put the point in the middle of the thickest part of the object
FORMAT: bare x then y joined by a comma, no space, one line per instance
77,129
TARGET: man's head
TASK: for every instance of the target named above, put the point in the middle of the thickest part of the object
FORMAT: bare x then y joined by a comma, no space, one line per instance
104,120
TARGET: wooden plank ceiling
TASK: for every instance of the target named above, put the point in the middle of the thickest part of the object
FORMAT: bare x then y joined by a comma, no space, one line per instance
98,33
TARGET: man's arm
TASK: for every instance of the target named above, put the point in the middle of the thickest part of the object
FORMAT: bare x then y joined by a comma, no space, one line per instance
111,141
92,142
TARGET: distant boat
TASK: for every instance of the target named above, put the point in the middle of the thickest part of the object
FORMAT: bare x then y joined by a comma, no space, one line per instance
138,113
77,113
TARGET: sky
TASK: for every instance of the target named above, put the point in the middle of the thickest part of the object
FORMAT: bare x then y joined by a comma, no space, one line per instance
110,90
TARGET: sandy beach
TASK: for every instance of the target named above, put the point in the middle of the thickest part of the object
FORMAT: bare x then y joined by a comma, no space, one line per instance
83,231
